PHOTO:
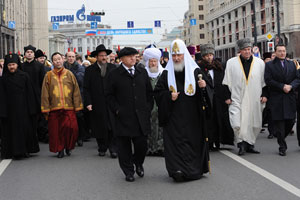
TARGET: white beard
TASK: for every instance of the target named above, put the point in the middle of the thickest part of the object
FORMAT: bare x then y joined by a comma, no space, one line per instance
178,67
153,69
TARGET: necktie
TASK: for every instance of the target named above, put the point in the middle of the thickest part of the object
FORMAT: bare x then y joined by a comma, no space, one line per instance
130,71
282,64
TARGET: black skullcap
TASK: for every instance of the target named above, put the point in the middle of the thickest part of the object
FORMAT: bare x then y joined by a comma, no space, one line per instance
29,47
39,53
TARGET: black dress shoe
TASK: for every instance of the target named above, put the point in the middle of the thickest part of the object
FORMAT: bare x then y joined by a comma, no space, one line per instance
26,155
129,178
139,171
80,143
68,152
252,150
242,147
282,153
178,176
270,136
113,155
61,154
101,153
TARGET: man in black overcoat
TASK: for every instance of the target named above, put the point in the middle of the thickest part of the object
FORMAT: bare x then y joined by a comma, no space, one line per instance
36,72
129,94
282,77
101,118
218,125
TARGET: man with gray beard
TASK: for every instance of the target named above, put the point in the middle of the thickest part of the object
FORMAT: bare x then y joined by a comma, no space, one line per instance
101,118
151,57
179,94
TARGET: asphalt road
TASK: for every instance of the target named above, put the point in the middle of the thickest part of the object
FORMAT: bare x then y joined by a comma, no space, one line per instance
86,176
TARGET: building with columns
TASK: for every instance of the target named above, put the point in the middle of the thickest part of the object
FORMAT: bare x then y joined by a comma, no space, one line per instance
72,36
30,19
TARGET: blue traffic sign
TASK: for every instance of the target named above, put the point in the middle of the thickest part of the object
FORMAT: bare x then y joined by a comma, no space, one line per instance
55,26
130,24
12,24
193,22
93,25
157,23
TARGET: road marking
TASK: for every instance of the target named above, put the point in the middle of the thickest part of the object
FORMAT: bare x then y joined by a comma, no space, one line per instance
3,165
278,181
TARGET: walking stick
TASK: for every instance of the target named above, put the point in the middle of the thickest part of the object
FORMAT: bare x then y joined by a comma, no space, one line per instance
204,106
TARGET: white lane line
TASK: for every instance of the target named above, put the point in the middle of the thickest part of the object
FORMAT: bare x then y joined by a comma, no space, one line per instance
3,165
285,185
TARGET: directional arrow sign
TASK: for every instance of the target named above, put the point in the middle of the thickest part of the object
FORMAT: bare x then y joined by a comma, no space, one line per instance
55,26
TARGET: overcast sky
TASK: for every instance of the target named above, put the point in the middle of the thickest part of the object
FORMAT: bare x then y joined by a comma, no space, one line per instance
118,12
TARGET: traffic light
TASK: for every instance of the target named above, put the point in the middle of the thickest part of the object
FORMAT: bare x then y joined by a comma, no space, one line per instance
97,13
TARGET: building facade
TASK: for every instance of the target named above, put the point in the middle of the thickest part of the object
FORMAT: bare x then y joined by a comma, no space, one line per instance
231,20
195,34
30,19
73,37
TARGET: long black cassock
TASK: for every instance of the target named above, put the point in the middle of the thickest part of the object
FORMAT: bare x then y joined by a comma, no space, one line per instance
19,136
183,128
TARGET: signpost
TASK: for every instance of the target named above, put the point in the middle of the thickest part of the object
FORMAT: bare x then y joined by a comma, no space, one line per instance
130,24
193,22
157,23
12,24
55,26
270,46
270,36
94,25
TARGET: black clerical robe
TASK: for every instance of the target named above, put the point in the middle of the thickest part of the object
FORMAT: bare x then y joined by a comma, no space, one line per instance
184,133
19,136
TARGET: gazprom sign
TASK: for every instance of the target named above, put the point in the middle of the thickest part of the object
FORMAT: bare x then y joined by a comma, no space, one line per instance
80,15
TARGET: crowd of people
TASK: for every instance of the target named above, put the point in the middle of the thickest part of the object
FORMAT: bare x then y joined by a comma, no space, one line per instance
136,105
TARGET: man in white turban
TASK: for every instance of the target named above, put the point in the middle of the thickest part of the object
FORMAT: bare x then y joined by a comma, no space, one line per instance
151,57
180,97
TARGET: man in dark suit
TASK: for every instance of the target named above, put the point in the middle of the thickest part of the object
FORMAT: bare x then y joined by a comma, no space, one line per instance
129,94
282,77
95,82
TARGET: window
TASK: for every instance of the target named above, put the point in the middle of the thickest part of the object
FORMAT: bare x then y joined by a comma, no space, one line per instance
237,25
201,17
79,41
201,26
229,16
88,40
79,49
202,36
236,13
200,7
229,27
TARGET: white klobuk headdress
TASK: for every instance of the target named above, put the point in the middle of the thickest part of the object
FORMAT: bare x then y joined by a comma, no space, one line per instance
178,47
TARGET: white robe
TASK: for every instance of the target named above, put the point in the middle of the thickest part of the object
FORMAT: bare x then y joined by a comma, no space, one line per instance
245,111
